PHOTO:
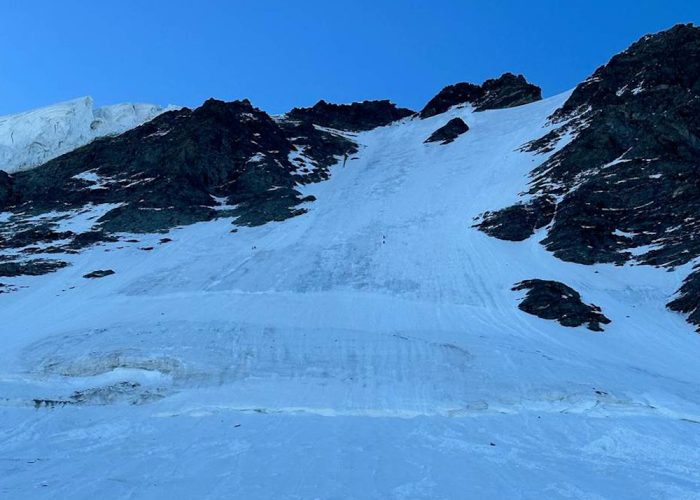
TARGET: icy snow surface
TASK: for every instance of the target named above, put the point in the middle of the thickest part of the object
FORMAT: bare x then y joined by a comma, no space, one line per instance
35,137
371,348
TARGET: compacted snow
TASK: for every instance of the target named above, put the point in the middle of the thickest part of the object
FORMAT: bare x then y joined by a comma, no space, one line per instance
35,137
371,348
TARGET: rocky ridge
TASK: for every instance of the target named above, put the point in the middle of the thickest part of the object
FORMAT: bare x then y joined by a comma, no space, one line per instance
623,188
506,91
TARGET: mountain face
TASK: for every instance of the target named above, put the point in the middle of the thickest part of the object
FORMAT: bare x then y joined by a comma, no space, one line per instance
172,170
623,189
32,138
480,299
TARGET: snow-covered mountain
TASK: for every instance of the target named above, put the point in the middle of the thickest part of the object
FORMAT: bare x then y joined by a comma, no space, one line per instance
478,300
35,137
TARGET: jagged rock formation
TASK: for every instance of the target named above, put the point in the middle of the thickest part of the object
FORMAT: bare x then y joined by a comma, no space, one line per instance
625,183
449,132
556,301
626,180
354,117
506,91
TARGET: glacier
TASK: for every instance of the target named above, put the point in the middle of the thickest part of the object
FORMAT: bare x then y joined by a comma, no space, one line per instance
370,348
34,137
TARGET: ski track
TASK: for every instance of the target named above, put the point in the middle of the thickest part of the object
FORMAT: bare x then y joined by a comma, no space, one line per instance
371,348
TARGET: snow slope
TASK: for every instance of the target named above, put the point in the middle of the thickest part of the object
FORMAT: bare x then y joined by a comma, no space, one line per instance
32,138
371,348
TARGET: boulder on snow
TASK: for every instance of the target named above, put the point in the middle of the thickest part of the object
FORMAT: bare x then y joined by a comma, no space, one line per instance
100,273
449,132
556,301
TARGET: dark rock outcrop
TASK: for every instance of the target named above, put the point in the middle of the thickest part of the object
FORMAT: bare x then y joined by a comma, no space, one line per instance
219,160
627,183
317,149
100,273
629,178
89,238
35,267
452,95
556,301
507,91
354,117
40,233
7,195
688,299
520,221
449,132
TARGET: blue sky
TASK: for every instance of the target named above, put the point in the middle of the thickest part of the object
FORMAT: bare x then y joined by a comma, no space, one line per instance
286,53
